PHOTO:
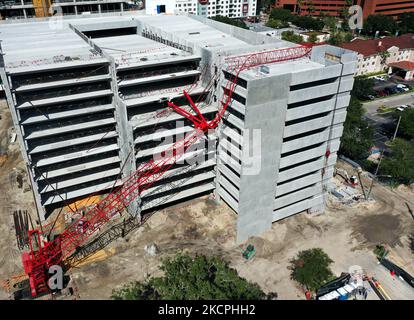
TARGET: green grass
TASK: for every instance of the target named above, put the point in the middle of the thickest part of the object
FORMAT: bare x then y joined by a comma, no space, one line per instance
384,109
373,74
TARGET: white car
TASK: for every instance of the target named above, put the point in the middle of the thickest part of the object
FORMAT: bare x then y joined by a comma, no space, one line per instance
402,107
402,87
379,78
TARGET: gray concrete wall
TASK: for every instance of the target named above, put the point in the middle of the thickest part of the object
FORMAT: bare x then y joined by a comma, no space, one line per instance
265,110
248,36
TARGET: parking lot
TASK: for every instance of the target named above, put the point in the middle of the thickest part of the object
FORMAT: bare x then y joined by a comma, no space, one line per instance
391,85
383,123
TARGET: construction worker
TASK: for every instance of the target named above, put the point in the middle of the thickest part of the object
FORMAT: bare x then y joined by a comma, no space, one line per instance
392,272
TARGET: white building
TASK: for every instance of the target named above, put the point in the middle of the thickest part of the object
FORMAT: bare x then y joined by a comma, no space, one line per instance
228,8
395,54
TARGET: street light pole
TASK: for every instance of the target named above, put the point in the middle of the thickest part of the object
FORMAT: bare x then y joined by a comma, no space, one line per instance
396,129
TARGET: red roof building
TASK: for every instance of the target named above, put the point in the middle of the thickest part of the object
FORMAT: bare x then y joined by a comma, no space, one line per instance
376,55
403,65
375,46
403,69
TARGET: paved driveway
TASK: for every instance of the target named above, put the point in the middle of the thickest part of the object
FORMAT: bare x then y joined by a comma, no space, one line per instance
384,124
393,101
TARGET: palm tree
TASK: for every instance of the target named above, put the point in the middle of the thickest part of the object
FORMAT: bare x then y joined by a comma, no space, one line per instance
311,7
299,5
384,55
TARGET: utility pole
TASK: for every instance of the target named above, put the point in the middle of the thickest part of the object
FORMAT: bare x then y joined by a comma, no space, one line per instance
396,129
375,174
359,171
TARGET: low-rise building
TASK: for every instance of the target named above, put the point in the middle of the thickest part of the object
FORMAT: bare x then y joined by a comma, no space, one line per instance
395,54
320,36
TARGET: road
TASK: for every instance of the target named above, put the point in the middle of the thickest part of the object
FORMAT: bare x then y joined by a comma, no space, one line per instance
393,101
384,123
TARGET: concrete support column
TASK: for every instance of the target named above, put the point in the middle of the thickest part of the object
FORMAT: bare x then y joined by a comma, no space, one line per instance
99,9
122,7
76,10
24,10
125,139
264,123
216,92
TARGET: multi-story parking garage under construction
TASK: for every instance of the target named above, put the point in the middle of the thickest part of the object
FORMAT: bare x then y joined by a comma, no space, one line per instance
94,99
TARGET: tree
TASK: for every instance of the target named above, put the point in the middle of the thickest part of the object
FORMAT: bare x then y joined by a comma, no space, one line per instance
330,22
348,36
406,128
311,268
344,13
292,37
336,39
311,7
280,14
381,23
263,5
198,278
384,55
357,134
406,22
363,87
313,37
400,163
233,22
277,24
307,22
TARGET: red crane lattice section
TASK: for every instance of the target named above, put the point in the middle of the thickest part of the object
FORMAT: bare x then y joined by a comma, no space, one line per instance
43,254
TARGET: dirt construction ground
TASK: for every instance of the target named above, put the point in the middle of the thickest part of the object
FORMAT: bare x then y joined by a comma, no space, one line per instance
347,233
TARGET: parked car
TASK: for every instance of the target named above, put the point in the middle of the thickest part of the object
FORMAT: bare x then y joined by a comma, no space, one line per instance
402,88
392,90
379,78
382,93
402,107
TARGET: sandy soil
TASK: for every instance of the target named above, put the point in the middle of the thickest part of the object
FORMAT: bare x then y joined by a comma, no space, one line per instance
347,233
11,198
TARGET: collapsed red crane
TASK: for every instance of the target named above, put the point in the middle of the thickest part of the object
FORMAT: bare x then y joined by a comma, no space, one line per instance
43,253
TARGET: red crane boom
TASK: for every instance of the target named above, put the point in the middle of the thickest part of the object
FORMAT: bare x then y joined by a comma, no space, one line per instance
43,254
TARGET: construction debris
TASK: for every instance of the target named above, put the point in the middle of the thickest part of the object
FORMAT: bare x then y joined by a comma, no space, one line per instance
21,224
151,249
